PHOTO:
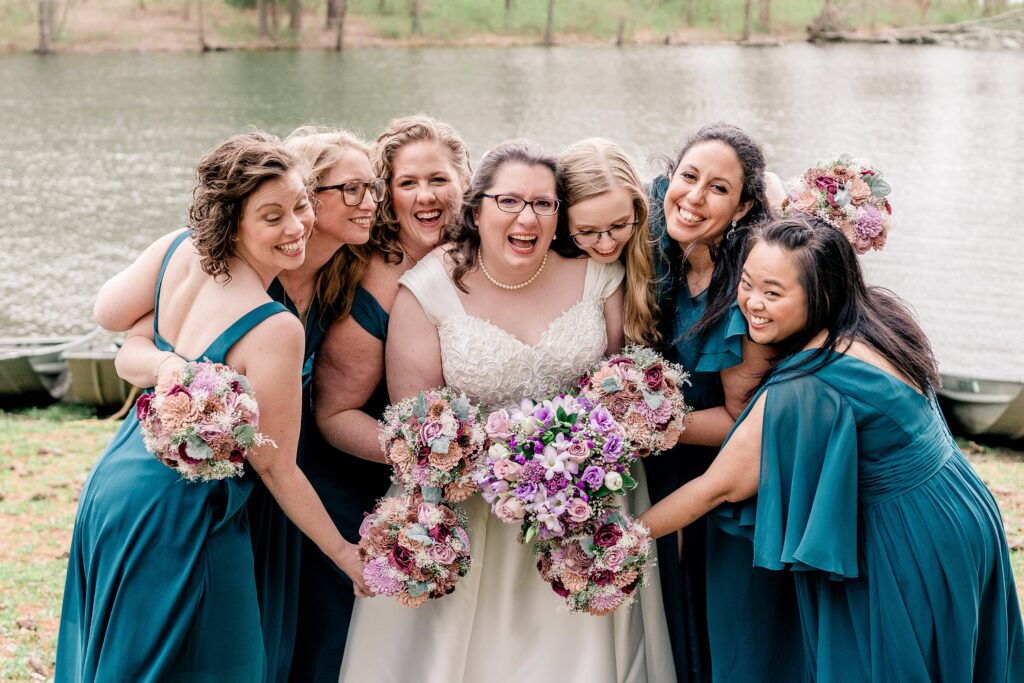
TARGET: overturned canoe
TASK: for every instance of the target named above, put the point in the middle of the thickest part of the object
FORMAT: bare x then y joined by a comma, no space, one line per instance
984,407
32,371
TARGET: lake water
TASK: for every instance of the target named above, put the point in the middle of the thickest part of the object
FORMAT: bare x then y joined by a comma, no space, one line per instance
99,150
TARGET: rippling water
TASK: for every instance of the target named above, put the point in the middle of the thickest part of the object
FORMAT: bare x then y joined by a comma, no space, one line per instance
99,151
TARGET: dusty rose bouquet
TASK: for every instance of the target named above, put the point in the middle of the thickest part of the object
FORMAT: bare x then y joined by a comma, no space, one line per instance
203,423
432,440
850,195
643,392
597,570
415,547
552,466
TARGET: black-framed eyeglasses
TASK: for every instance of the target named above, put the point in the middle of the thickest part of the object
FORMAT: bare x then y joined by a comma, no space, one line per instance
509,203
352,193
617,231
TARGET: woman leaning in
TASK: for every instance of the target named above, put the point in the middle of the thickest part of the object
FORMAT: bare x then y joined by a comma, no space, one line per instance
842,480
160,582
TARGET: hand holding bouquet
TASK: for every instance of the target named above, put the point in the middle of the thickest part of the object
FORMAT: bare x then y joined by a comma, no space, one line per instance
432,440
415,547
203,423
643,392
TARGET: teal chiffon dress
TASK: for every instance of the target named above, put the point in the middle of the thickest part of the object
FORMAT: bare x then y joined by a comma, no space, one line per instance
887,552
160,583
349,488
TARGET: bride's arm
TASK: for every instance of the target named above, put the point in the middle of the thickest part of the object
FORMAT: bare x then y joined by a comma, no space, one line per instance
613,319
413,352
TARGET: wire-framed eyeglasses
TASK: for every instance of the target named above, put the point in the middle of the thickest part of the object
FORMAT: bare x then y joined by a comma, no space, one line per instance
617,231
510,203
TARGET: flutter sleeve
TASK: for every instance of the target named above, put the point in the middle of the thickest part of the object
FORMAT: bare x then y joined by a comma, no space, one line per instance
723,347
804,517
429,282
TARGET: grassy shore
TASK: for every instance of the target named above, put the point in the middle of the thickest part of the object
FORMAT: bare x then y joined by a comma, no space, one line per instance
173,25
45,456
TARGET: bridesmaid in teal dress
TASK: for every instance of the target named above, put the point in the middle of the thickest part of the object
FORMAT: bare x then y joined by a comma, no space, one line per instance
160,583
701,212
425,166
842,478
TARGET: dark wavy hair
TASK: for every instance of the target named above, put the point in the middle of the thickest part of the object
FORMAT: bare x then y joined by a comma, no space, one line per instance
840,302
463,235
727,253
226,176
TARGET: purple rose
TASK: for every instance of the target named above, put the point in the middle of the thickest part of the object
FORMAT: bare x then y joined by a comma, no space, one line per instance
400,558
526,491
593,477
607,535
603,421
543,414
654,376
142,406
431,430
613,448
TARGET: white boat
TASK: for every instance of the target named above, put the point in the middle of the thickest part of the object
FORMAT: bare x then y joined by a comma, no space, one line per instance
32,371
984,407
94,379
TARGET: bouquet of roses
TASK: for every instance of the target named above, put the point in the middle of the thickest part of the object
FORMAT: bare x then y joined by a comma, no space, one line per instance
203,423
598,569
415,547
432,440
850,195
554,465
643,391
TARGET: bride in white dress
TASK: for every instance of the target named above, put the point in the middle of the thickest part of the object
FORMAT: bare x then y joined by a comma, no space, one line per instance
501,317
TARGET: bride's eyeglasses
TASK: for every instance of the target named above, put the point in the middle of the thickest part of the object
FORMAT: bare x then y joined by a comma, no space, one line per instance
617,231
509,203
352,193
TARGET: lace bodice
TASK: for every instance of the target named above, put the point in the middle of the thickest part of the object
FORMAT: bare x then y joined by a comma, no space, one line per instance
494,367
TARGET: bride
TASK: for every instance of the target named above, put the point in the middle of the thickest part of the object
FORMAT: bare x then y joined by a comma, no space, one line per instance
499,316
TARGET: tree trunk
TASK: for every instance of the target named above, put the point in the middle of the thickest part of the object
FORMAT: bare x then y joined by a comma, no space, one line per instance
203,46
549,26
620,33
332,14
746,20
766,16
274,25
46,16
414,14
688,12
922,10
342,11
263,9
295,19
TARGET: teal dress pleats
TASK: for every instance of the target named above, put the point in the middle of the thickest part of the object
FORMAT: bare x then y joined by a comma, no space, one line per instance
893,561
160,585
349,488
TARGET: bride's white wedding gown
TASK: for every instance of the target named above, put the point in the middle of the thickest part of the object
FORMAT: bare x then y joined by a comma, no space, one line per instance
503,622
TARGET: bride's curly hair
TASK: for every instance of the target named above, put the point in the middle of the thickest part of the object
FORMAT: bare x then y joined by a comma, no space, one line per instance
464,236
226,177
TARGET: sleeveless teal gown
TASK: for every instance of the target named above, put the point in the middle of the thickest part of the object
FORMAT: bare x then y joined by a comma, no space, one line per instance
888,552
349,488
160,583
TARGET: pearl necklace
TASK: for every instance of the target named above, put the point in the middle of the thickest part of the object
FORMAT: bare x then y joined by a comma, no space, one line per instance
496,283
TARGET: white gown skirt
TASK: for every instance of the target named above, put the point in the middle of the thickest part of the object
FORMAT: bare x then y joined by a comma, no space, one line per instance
504,623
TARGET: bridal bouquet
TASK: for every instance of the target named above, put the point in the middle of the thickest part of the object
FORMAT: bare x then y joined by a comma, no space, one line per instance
599,569
848,194
415,547
643,392
554,465
432,440
203,423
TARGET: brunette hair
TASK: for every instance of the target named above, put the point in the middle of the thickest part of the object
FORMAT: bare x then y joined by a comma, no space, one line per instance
399,133
591,168
226,177
840,302
336,281
464,234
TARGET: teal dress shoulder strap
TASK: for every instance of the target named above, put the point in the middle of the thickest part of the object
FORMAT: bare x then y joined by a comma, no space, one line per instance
160,342
220,346
370,315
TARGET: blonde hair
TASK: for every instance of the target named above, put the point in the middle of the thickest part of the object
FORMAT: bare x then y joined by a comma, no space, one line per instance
590,168
336,281
399,133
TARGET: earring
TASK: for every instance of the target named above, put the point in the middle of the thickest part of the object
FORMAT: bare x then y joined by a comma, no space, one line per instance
555,237
734,224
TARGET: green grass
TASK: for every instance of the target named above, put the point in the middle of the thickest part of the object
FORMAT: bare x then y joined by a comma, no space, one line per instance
45,456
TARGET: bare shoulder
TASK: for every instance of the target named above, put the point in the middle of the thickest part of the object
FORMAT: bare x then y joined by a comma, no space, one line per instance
381,281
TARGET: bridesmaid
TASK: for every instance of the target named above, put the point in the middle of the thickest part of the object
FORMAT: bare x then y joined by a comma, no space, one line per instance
703,209
425,166
160,582
345,197
842,478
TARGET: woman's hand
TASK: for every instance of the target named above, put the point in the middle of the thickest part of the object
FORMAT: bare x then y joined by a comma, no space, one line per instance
348,561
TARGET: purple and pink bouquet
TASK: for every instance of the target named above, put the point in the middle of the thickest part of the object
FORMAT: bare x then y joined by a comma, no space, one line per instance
599,569
848,194
432,440
415,547
553,466
203,423
643,392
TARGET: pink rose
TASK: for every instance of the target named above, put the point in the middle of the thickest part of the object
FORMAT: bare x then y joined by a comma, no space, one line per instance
507,469
613,558
431,430
142,406
579,511
578,451
440,552
509,510
497,426
210,432
366,524
607,535
401,558
654,376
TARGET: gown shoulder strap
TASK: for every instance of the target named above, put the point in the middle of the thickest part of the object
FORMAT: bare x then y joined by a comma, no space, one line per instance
163,269
370,315
220,346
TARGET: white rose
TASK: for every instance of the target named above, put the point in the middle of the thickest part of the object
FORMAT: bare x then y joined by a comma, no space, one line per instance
613,480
